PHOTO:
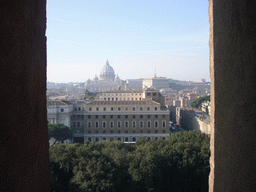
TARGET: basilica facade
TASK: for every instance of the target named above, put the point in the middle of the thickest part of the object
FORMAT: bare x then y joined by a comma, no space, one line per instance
106,81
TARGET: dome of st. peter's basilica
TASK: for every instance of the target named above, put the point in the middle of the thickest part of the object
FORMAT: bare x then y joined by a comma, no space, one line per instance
107,73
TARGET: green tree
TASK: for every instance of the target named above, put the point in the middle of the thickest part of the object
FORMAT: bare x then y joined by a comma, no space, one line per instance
200,100
94,173
59,131
61,179
179,163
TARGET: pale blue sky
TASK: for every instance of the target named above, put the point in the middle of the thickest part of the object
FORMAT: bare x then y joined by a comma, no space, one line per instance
136,37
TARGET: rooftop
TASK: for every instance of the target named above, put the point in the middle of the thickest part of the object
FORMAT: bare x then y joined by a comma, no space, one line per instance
140,102
58,102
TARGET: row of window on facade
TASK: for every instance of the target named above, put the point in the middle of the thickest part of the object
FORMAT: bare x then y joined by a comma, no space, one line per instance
125,139
120,94
126,131
119,109
111,116
126,124
119,124
120,99
126,116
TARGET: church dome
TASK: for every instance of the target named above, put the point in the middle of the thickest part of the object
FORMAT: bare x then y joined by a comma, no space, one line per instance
95,78
107,73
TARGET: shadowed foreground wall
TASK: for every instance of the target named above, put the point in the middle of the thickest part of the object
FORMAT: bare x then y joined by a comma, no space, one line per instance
233,71
24,141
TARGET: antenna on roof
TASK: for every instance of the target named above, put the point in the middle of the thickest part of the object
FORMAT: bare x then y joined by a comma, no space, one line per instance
155,72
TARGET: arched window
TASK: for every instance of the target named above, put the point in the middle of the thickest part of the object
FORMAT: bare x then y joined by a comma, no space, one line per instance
164,124
141,124
104,124
126,124
111,124
149,124
156,124
134,124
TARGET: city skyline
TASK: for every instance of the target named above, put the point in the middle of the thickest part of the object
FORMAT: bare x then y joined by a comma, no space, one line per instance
137,38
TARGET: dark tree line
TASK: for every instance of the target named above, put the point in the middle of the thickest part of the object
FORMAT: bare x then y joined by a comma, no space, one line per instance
179,163
199,101
59,131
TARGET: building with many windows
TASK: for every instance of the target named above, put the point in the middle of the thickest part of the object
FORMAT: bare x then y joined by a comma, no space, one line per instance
112,116
59,112
125,121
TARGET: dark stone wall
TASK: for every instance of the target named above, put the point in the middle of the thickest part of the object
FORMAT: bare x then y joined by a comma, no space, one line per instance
233,71
24,142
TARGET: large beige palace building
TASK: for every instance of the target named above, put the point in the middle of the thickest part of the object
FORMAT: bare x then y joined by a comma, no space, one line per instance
114,115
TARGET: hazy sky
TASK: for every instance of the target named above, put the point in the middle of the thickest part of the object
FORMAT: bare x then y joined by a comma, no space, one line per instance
136,36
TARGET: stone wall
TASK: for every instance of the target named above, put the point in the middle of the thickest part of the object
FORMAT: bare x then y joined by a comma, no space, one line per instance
233,116
24,141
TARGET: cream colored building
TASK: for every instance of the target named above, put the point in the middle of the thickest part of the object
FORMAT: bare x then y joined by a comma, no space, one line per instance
156,82
121,95
114,119
126,121
59,112
133,84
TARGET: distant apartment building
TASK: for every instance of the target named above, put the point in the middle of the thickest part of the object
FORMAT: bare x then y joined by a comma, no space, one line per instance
156,83
176,103
120,95
59,112
125,121
193,119
116,115
133,84
168,92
